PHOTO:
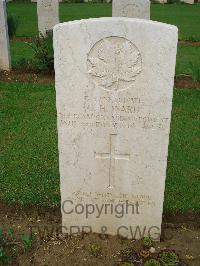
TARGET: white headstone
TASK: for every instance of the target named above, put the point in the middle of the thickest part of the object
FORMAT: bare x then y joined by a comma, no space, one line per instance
131,8
48,15
35,1
4,38
191,2
114,91
162,1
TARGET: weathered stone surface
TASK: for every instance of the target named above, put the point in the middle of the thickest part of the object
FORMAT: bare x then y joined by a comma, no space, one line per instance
48,15
4,38
114,92
131,8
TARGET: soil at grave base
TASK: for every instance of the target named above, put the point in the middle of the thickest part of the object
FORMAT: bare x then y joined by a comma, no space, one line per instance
27,77
22,39
182,234
182,82
186,82
192,43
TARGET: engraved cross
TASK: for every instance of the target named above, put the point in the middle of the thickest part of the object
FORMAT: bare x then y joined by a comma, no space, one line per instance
112,156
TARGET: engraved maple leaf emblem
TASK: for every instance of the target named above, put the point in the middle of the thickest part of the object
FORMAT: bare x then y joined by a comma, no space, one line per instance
114,63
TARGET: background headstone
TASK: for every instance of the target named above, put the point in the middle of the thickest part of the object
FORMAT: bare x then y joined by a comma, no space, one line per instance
48,15
131,8
35,1
191,2
114,92
4,38
162,1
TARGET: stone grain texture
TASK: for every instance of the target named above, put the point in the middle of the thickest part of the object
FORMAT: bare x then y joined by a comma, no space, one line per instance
114,90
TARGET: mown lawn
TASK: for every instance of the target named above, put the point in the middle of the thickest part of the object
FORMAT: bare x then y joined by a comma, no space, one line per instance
29,156
28,144
186,17
186,56
20,51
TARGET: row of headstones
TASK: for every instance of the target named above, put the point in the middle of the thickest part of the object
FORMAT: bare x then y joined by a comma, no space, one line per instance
48,17
114,85
48,12
109,1
160,1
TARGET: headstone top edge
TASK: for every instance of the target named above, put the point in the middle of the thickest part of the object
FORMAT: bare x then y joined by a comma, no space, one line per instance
75,23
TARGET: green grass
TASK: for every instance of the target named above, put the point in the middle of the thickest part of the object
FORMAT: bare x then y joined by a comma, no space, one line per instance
187,54
19,51
186,17
27,18
29,156
29,163
183,174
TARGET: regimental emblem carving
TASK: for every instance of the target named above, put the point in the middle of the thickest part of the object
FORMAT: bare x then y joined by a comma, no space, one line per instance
114,63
